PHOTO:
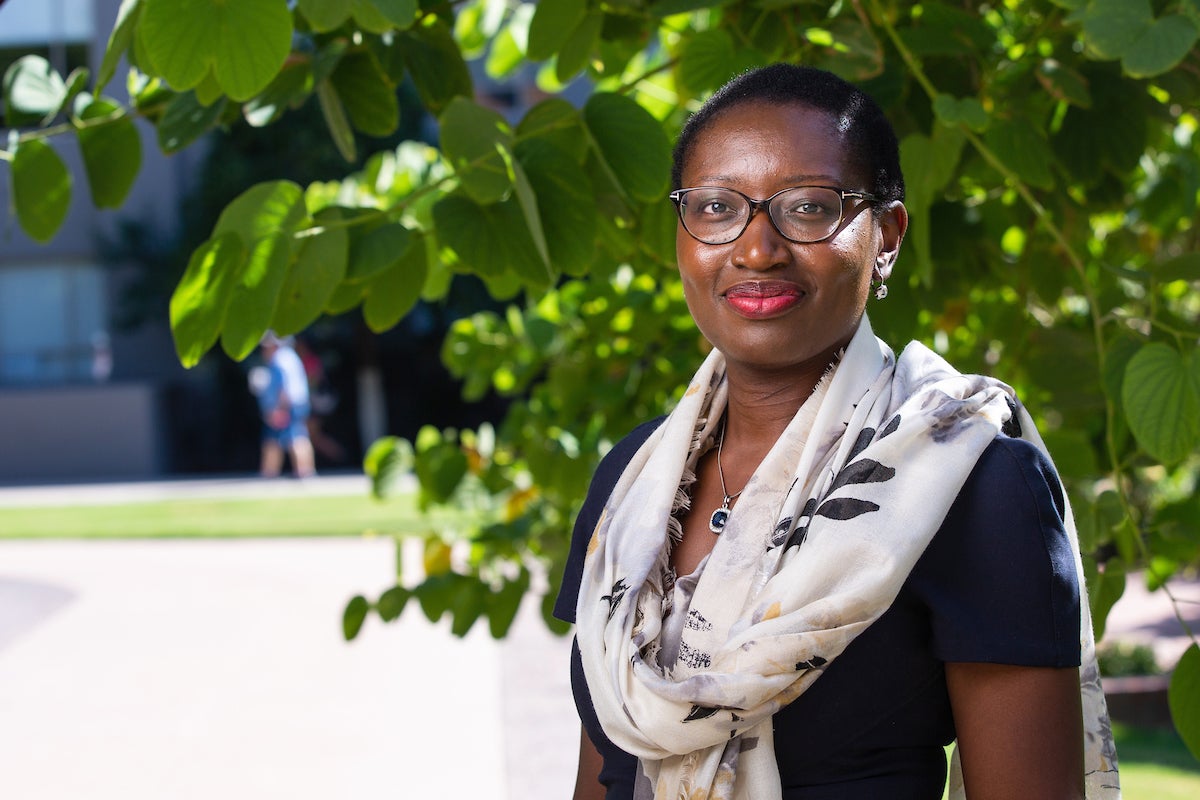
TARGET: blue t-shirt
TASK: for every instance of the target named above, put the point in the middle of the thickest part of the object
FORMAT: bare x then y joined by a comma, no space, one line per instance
997,584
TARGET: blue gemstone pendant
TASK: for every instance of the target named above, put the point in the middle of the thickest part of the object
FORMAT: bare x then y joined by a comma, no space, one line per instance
716,523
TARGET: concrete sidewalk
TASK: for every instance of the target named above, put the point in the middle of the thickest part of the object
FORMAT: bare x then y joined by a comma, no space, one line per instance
164,670
171,670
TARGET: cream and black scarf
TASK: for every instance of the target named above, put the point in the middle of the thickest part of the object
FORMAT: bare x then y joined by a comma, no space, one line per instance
811,556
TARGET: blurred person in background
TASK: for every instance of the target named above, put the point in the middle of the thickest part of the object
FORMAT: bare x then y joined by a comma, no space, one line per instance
283,400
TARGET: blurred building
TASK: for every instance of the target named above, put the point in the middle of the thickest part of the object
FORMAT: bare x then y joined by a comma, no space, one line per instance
77,398
90,386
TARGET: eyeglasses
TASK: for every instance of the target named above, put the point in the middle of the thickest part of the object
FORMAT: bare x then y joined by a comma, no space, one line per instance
802,214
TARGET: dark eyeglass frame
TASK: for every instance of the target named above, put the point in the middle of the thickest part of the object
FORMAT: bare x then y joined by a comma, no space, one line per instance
678,195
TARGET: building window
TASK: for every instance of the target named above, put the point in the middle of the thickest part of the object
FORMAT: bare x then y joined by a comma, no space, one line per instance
58,30
52,322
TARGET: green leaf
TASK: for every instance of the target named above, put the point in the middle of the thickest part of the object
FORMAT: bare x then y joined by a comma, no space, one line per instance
943,30
440,468
1064,83
327,57
1074,455
1023,150
346,296
1116,357
112,151
961,110
436,594
928,164
263,209
119,40
290,89
1112,133
1161,393
208,90
504,605
504,55
1183,697
470,138
551,26
491,240
76,83
335,118
398,13
252,303
392,293
631,143
33,90
668,8
325,15
1104,589
376,250
387,462
527,199
390,604
470,601
245,43
1112,26
1161,47
707,61
1185,267
319,267
41,187
354,616
201,299
555,121
186,120
367,94
565,202
855,53
436,65
575,51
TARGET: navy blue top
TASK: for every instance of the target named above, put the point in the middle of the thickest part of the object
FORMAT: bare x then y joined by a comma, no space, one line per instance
997,584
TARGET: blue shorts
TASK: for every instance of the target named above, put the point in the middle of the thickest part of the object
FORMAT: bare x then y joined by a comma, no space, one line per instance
296,429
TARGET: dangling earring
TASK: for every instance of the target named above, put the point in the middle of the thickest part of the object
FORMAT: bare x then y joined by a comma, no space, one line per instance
881,290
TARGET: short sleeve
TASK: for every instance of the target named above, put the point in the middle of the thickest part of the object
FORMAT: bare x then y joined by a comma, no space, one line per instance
999,577
603,481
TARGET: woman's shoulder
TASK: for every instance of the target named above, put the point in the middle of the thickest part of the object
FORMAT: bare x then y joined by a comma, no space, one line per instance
1000,575
612,464
1012,475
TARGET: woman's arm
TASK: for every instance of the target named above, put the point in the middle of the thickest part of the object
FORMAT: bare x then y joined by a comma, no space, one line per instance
1020,731
587,777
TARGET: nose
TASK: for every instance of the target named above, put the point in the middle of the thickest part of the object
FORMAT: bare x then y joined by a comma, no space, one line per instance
761,246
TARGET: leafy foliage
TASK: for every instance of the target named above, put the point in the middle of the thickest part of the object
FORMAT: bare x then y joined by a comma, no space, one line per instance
1054,177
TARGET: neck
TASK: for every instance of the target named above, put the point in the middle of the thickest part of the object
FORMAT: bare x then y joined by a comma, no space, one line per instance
761,404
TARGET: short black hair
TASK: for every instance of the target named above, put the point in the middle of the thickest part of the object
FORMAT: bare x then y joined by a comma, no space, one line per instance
869,134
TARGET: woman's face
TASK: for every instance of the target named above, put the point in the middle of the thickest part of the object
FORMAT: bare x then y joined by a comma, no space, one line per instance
764,301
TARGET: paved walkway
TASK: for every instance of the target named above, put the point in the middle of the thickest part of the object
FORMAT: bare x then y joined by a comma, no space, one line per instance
171,670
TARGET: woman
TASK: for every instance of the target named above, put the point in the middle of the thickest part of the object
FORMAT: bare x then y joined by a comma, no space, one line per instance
828,562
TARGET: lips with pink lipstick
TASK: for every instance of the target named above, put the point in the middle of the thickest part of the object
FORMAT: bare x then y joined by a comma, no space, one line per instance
763,299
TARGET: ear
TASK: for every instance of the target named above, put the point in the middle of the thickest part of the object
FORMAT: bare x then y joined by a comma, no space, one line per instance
892,225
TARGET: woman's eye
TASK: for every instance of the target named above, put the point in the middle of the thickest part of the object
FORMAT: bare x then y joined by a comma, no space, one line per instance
807,208
714,207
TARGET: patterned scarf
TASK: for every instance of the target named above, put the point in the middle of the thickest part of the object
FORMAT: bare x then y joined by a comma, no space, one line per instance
775,603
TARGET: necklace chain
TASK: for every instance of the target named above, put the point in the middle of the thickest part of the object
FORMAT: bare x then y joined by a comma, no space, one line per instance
721,471
720,516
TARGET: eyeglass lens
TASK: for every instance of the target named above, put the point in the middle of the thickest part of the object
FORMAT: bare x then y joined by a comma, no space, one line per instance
803,214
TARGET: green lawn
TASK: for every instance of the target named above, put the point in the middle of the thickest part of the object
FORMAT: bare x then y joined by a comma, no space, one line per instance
349,515
1155,765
